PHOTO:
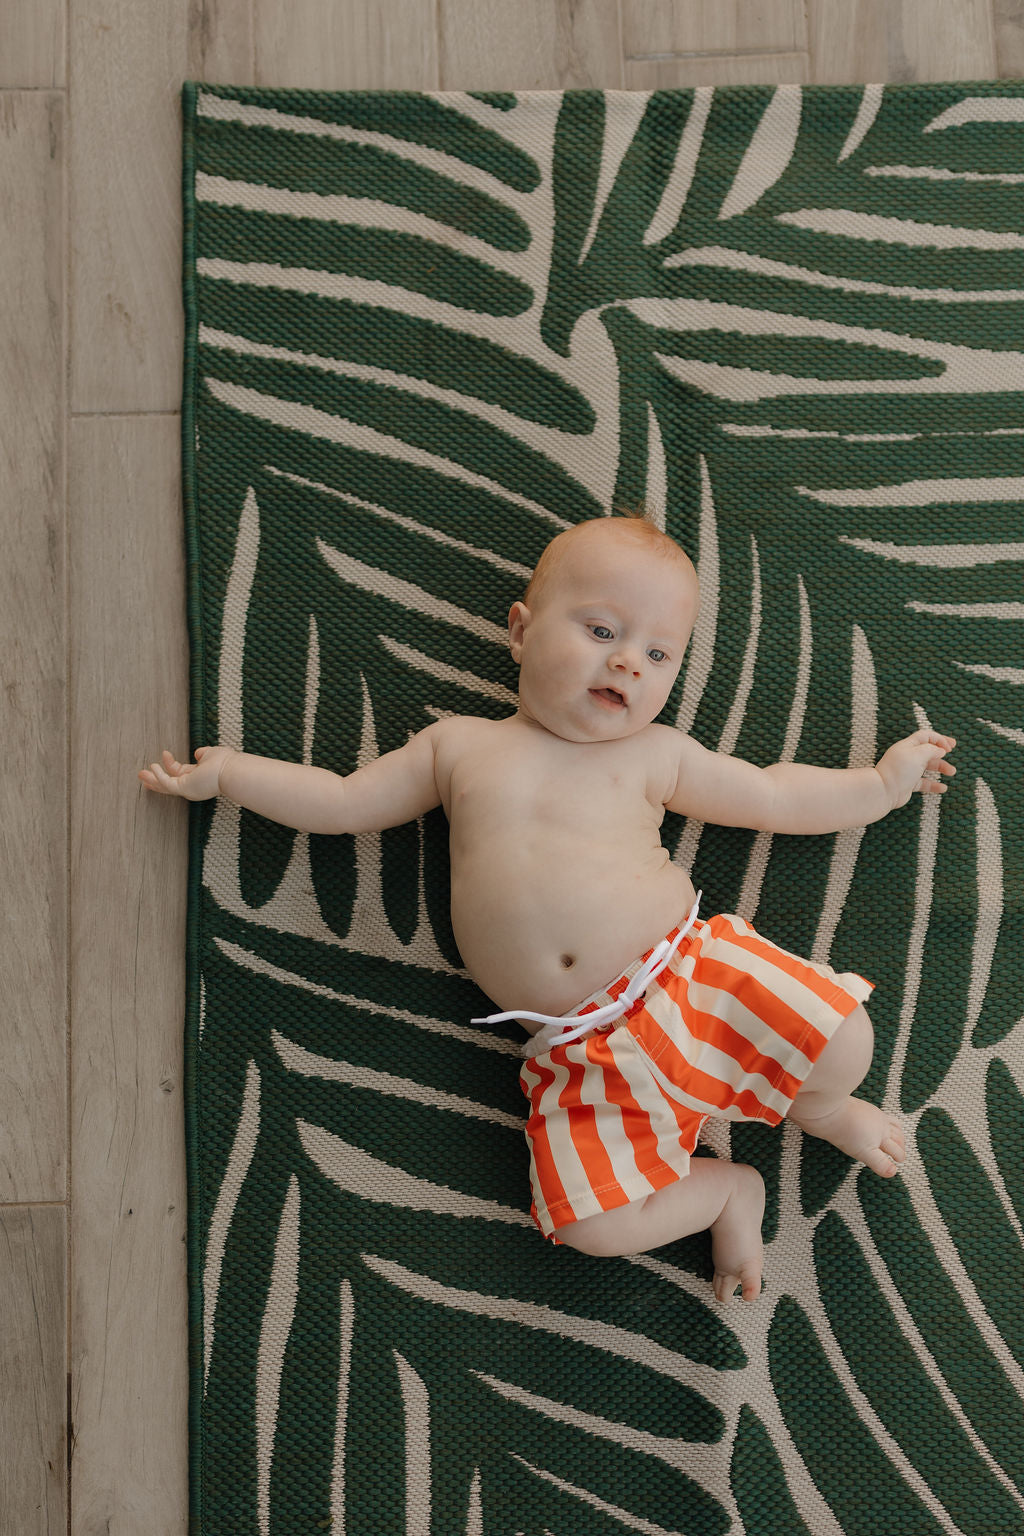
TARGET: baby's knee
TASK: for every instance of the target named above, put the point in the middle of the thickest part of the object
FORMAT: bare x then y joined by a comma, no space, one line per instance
843,1064
856,1038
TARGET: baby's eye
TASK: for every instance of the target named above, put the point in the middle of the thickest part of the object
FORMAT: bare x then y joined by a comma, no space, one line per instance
657,655
601,632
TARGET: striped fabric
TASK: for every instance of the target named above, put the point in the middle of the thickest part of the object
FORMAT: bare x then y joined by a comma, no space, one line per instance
730,1028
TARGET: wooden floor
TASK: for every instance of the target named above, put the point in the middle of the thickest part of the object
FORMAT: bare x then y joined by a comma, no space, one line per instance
93,649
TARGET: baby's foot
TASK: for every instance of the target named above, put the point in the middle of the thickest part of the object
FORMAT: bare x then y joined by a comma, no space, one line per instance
736,1247
862,1131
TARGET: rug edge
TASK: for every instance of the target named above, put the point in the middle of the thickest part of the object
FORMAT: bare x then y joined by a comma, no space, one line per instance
189,98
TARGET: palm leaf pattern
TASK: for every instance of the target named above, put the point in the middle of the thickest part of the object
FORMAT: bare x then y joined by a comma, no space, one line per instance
425,332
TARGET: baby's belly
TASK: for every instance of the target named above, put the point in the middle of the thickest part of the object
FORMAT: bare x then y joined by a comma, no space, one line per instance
545,945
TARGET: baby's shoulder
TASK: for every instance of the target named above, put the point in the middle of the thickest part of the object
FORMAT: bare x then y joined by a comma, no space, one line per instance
462,743
456,728
456,735
667,754
665,740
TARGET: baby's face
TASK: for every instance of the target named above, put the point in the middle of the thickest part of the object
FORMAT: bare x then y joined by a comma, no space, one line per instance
602,646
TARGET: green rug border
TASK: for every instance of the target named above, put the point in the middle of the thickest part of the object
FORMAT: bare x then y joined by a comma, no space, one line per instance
197,709
198,821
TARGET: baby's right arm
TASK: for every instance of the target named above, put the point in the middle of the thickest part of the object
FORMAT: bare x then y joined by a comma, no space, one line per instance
395,788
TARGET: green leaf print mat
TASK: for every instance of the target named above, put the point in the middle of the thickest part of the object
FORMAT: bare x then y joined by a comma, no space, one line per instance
424,332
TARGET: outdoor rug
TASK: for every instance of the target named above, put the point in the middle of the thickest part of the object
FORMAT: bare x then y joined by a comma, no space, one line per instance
424,332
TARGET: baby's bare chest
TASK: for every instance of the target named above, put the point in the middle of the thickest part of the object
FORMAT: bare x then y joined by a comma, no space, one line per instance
604,790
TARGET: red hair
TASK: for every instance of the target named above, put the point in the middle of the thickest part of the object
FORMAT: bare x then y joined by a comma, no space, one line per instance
635,522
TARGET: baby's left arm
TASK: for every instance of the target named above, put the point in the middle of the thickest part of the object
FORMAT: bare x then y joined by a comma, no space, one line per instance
799,798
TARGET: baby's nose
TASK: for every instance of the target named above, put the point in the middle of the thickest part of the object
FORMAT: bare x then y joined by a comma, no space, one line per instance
626,662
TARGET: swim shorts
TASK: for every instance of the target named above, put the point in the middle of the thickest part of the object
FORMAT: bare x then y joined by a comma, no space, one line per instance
730,1028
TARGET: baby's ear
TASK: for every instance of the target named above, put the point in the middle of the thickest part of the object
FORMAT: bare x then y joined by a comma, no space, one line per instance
518,619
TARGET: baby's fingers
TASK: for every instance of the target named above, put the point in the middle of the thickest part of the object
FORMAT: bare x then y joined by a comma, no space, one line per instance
930,782
161,779
154,777
165,776
935,739
174,768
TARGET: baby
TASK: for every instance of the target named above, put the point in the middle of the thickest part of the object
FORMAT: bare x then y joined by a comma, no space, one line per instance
562,892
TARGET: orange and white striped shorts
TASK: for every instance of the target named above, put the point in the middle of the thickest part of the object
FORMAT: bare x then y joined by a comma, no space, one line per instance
731,1028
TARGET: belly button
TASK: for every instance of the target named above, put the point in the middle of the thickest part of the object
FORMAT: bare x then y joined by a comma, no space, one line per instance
568,961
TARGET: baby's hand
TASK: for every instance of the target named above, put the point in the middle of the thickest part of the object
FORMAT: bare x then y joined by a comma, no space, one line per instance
190,781
903,767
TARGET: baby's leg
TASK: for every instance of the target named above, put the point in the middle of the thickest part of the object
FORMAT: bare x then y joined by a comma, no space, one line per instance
727,1197
823,1107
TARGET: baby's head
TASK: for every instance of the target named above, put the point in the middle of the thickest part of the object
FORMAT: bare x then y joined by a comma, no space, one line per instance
601,631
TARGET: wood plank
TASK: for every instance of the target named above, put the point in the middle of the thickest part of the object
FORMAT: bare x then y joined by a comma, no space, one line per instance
944,40
129,696
127,59
33,1370
652,27
901,40
220,42
32,48
33,811
490,45
361,45
1008,24
717,69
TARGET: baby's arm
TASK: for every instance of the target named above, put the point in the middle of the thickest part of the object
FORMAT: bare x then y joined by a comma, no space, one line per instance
392,789
799,798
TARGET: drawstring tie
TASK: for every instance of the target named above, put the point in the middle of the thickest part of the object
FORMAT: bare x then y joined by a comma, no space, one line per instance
577,1024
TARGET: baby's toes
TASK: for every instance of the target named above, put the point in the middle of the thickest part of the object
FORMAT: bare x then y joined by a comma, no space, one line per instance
751,1287
725,1286
879,1160
895,1143
749,1283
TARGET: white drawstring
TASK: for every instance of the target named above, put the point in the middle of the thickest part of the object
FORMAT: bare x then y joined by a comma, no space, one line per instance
648,972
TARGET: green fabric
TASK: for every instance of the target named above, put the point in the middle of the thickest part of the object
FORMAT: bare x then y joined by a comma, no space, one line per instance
423,333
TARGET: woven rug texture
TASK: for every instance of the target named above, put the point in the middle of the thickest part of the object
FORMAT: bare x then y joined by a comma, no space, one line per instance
424,332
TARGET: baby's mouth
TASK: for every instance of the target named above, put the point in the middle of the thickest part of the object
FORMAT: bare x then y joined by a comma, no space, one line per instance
610,697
